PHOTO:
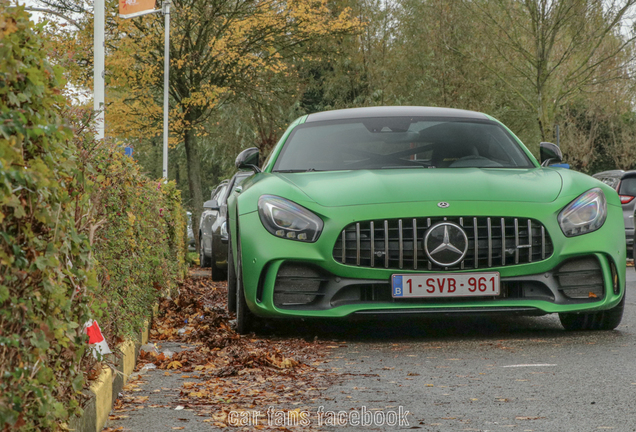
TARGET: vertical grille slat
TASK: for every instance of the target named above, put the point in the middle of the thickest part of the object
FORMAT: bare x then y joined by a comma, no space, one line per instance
344,246
414,244
400,241
476,235
503,242
530,240
489,242
386,244
358,243
372,228
428,225
463,262
542,242
516,241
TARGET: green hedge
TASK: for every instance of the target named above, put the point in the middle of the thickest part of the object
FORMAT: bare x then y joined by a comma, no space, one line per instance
43,257
141,249
83,234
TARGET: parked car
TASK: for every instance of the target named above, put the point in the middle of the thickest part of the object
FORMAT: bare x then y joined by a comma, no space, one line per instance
624,182
213,227
208,217
191,244
415,210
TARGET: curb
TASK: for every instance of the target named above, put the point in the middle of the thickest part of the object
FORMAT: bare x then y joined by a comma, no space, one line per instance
103,392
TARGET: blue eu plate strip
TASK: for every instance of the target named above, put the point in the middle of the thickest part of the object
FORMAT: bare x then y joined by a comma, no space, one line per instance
397,286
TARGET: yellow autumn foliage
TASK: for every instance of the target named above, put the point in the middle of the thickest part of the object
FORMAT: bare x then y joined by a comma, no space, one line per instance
219,49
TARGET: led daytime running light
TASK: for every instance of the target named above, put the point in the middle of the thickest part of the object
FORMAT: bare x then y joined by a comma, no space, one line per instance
286,219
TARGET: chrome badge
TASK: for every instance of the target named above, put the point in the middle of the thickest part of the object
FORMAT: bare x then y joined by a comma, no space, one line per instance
443,204
445,244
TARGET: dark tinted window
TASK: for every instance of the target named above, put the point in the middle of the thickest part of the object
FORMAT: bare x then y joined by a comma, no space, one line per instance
399,142
628,186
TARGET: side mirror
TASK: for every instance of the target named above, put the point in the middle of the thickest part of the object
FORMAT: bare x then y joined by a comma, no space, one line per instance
248,159
549,153
211,205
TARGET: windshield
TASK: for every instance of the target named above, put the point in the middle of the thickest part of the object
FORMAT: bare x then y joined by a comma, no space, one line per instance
399,142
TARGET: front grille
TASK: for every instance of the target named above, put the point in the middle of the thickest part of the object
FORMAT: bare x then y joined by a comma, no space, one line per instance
398,243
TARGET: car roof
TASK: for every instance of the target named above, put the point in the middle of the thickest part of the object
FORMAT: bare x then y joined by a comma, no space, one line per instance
394,111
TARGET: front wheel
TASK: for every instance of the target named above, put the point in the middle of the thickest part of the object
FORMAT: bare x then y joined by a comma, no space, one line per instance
216,273
244,317
603,320
231,281
204,261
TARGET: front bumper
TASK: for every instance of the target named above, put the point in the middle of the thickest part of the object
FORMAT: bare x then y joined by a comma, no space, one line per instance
532,288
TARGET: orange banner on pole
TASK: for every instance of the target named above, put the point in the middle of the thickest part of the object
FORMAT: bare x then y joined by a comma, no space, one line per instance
133,8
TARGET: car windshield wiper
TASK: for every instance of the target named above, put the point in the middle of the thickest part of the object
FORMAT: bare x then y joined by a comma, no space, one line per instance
298,170
402,167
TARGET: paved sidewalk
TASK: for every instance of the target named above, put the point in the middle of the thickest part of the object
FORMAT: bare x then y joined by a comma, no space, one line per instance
155,397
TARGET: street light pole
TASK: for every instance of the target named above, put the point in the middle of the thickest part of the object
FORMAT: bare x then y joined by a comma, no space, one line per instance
146,7
166,86
98,67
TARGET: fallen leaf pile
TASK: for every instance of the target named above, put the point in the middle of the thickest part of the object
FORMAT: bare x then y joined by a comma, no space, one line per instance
224,371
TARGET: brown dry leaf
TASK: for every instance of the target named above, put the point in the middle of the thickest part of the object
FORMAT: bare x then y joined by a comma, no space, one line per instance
174,365
220,417
233,373
140,399
178,427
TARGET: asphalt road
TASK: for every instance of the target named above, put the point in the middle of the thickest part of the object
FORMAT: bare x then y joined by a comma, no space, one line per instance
478,374
520,374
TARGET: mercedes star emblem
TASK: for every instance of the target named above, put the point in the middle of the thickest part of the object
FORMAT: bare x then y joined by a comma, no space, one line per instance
445,244
443,204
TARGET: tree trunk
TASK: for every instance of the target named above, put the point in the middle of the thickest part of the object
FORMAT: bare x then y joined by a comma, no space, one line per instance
194,179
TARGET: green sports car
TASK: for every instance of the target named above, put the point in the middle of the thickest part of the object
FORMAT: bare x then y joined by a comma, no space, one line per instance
416,210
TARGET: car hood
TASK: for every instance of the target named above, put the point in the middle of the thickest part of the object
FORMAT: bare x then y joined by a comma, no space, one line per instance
341,188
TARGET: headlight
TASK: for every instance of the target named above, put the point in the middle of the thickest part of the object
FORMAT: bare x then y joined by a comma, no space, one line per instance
288,220
585,214
224,229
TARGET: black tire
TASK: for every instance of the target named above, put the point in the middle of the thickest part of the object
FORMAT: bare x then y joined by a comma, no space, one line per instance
217,273
604,320
204,261
231,281
244,317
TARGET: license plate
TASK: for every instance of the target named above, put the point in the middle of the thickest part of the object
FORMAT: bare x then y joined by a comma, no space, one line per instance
445,285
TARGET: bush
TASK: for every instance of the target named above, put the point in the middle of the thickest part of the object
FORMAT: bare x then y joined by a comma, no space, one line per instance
83,234
140,249
44,258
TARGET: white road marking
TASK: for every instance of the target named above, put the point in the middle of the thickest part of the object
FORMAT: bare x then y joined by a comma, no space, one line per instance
530,365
